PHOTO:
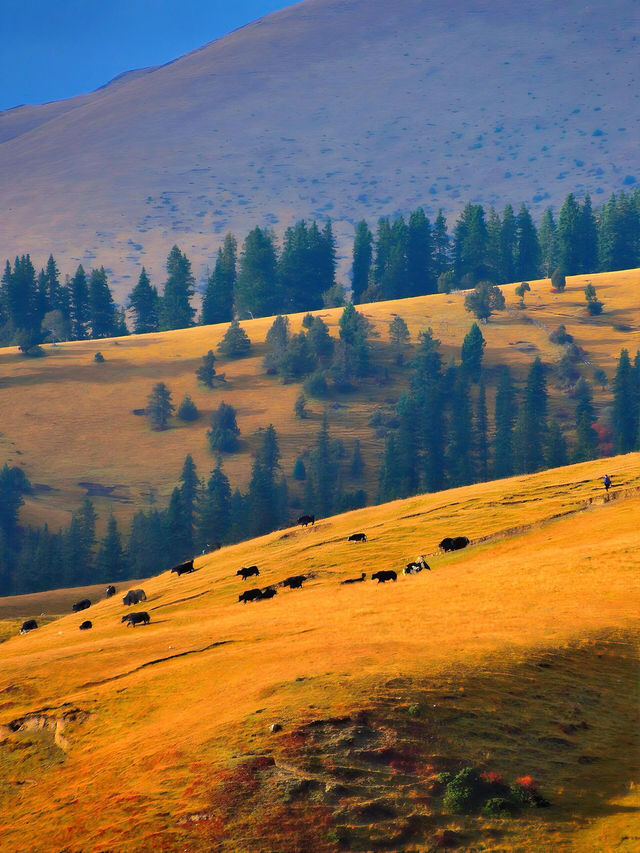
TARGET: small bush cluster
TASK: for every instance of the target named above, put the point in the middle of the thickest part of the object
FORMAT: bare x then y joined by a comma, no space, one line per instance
560,336
470,791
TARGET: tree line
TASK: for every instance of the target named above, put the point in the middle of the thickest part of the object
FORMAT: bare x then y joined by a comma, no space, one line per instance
411,257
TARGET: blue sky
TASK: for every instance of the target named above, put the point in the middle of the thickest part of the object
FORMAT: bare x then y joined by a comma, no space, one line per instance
52,49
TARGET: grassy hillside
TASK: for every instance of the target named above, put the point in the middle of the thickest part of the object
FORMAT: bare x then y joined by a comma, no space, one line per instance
518,655
348,110
67,394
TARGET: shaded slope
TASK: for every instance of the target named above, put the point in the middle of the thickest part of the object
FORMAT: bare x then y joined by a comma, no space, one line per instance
327,108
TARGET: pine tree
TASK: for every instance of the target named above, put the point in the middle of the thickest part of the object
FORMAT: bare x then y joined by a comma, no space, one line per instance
460,460
79,304
189,490
320,341
441,242
505,418
406,477
257,290
276,340
420,276
527,247
324,468
555,447
388,480
299,471
145,304
472,353
299,406
179,536
206,371
235,343
530,435
569,236
187,410
356,466
217,303
481,436
625,405
594,306
110,563
586,436
362,257
547,239
78,542
427,391
176,311
159,406
399,339
223,435
52,277
508,244
215,511
588,247
484,299
470,245
102,316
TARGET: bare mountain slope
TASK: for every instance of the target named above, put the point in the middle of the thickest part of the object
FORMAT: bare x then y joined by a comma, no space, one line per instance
328,108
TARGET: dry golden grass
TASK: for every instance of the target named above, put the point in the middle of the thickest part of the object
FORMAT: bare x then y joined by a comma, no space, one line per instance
520,653
66,419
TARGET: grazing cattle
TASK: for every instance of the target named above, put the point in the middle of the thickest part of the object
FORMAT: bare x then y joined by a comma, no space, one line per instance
250,595
81,605
358,537
29,625
86,625
134,596
134,619
416,566
354,580
294,582
307,519
248,572
111,590
183,568
455,544
268,592
383,576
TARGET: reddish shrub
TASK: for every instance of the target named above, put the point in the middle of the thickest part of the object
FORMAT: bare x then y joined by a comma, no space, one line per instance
527,782
492,778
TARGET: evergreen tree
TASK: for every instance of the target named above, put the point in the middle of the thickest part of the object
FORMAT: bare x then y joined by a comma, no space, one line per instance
78,542
299,471
399,338
217,302
548,242
102,315
441,242
362,257
460,460
481,436
235,343
178,534
189,489
427,391
110,563
147,545
388,480
298,358
159,406
569,236
224,432
327,260
558,280
625,405
588,247
215,511
324,470
484,299
556,447
299,406
80,312
420,277
586,436
594,306
176,311
276,340
145,304
527,247
508,245
266,510
257,291
206,371
470,246
505,417
320,341
406,478
494,247
472,353
356,466
187,410
531,425
52,278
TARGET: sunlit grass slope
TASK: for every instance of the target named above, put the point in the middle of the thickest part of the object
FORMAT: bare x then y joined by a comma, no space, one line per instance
517,655
68,420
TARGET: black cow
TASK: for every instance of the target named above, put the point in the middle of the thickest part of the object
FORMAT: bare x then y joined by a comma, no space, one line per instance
111,590
354,580
416,566
294,582
134,596
358,537
29,625
268,592
455,544
134,619
383,576
306,519
250,595
183,568
249,572
86,625
81,605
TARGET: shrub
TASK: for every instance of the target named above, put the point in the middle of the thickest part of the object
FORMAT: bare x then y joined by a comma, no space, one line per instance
413,710
307,321
463,792
560,335
187,410
223,435
558,280
594,306
235,342
299,407
316,385
600,377
299,471
98,358
207,371
499,805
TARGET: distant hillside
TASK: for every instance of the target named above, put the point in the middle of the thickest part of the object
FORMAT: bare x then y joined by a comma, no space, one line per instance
328,108
516,657
69,423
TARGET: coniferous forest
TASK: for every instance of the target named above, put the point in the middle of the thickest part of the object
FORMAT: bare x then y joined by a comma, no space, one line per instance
441,433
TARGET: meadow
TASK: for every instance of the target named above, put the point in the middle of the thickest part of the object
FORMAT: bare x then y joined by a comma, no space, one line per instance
67,420
517,656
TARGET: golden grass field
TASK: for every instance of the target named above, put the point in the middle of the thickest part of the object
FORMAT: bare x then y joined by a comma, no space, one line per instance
517,655
67,420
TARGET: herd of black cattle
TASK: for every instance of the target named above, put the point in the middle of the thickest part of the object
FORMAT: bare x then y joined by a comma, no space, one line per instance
135,596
